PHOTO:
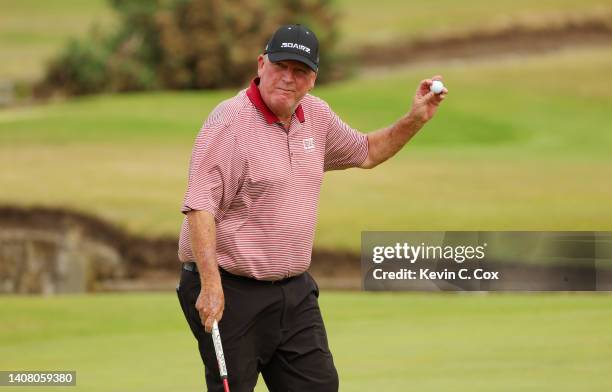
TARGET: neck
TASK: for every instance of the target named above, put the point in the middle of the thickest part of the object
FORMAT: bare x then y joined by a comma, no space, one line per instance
286,120
282,113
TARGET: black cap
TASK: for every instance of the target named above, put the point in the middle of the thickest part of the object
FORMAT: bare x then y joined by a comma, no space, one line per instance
294,42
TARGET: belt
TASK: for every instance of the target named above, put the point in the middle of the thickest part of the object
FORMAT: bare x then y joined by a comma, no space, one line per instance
193,267
190,266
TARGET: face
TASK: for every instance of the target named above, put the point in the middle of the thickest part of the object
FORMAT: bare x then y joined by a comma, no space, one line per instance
283,84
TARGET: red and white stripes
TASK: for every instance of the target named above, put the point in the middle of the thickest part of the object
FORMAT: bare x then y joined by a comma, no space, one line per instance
262,183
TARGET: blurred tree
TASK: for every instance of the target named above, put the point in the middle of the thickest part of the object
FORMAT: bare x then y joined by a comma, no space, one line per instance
186,44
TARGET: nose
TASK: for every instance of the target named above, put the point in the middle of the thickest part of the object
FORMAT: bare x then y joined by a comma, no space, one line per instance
288,76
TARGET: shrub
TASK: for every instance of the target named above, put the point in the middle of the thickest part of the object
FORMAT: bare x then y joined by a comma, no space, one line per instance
186,44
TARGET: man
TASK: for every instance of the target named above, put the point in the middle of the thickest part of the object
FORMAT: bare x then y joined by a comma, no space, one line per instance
251,204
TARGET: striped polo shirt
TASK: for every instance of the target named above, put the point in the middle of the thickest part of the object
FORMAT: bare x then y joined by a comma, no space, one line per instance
262,183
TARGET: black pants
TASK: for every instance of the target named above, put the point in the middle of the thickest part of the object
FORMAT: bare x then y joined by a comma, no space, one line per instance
272,328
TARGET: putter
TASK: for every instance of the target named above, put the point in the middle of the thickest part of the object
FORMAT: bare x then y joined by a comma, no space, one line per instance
216,337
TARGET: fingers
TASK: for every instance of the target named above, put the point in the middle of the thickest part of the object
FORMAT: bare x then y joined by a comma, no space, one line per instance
204,316
210,319
209,323
443,94
432,98
427,82
425,85
209,310
429,96
437,98
209,314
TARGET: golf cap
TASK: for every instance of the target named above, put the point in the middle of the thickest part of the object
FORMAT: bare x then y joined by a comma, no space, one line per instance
294,42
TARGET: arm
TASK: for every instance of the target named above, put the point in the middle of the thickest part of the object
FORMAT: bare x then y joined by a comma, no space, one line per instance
215,175
211,301
385,143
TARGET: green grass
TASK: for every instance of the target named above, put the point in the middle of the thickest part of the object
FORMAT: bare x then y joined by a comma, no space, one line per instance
424,342
32,31
520,144
383,21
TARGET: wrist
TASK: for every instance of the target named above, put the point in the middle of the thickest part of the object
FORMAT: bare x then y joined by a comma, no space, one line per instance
414,120
209,275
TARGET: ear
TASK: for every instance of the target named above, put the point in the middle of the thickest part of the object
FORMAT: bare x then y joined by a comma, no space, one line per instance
260,64
313,79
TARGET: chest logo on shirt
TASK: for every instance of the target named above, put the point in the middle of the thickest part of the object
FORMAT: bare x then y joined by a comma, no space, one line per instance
308,143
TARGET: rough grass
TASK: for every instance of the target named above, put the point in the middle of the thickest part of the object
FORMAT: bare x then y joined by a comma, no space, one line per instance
424,342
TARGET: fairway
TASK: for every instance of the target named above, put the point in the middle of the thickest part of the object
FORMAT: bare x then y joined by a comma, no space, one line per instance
424,342
515,147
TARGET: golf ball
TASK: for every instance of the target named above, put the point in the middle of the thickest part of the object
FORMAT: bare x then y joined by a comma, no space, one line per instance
436,87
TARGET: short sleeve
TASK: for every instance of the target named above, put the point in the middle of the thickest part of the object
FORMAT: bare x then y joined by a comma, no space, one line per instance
215,171
345,147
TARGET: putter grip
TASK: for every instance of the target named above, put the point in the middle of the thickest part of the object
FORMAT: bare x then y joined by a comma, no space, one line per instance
216,337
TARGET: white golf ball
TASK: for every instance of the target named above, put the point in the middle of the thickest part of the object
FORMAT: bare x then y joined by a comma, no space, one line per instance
436,87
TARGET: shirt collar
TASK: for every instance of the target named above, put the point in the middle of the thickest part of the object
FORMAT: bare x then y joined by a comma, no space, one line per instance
255,97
